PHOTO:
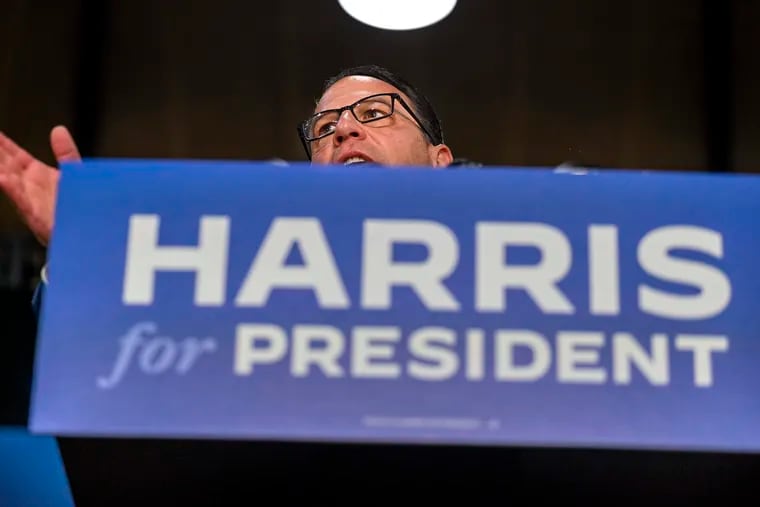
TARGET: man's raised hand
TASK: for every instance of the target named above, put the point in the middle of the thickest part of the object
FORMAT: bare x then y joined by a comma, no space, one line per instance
33,185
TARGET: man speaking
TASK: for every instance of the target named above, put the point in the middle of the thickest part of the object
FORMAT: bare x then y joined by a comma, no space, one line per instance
365,114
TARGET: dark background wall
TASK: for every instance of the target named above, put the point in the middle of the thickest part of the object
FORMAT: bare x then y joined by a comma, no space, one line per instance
639,84
633,84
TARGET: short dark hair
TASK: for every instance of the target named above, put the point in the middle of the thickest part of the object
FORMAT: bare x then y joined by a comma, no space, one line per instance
422,106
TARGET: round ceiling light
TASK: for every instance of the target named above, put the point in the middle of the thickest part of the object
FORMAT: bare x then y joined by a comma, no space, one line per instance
398,14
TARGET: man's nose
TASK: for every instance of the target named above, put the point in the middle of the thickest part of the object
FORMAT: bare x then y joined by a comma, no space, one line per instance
347,127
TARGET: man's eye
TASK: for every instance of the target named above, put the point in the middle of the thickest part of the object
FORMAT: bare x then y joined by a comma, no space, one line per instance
372,113
325,128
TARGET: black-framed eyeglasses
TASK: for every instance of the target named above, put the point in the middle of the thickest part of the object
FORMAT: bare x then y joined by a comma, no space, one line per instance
366,110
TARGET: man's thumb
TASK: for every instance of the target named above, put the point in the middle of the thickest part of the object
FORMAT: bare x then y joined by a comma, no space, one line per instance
64,148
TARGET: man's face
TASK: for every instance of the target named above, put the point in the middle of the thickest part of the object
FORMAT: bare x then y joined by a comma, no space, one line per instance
397,140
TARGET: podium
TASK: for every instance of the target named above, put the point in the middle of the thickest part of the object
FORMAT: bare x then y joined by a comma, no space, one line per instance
31,470
501,308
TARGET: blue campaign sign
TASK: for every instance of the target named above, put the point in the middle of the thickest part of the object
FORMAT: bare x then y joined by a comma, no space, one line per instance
501,306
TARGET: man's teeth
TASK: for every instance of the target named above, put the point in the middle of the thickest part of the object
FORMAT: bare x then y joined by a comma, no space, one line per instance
354,160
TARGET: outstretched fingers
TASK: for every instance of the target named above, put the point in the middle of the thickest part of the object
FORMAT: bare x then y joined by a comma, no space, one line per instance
10,169
63,145
13,158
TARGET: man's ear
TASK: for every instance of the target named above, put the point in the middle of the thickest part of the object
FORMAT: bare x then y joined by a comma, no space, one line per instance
440,155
